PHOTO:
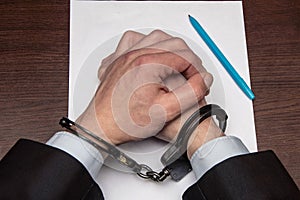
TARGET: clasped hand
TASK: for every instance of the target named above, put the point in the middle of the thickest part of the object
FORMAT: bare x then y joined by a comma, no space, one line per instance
149,86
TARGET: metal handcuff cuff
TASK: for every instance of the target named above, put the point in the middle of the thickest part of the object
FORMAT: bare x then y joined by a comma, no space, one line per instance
174,159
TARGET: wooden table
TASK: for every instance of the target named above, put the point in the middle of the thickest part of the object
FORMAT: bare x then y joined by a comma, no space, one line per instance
34,53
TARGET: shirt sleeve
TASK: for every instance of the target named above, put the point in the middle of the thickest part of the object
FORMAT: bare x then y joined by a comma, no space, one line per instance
84,152
214,152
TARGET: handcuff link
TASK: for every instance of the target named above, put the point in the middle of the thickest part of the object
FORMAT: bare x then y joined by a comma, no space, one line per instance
174,159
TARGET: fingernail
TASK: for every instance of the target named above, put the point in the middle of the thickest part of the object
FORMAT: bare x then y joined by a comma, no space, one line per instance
208,80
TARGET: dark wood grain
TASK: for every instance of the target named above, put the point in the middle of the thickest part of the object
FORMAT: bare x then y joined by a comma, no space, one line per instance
273,39
34,49
34,42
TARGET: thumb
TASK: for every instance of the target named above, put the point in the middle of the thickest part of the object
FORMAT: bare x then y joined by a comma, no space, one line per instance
185,96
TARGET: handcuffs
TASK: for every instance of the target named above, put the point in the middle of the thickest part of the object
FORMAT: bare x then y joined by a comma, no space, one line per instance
174,159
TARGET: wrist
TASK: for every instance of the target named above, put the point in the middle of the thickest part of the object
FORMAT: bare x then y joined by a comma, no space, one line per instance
90,120
206,131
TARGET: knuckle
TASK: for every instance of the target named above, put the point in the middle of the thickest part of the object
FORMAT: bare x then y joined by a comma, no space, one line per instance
179,42
157,32
159,35
129,34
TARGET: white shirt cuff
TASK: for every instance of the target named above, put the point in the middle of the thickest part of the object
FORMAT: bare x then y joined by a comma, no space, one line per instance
84,152
214,152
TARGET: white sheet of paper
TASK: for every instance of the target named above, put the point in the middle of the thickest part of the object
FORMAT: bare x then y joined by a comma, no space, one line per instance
95,29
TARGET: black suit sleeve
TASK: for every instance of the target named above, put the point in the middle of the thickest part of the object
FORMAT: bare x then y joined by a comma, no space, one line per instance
35,171
258,176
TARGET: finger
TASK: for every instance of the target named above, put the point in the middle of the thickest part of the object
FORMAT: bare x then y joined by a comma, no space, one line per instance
185,62
104,64
171,44
152,38
180,48
186,96
132,40
129,39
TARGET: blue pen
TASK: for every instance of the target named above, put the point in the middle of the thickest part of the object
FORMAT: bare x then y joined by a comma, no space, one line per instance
229,68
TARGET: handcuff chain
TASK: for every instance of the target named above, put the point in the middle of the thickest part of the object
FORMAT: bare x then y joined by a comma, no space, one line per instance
153,175
112,151
173,158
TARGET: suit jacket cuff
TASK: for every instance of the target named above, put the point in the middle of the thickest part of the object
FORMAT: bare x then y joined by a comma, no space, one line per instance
84,152
214,152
